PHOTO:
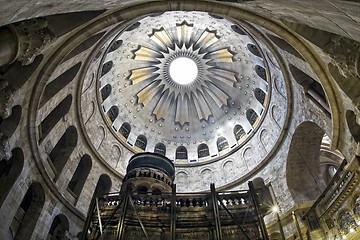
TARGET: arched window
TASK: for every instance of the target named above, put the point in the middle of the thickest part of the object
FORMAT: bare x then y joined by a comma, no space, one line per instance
9,124
82,171
239,133
115,45
237,29
140,143
203,150
63,149
28,212
181,153
134,26
88,43
281,43
103,185
222,144
59,83
142,190
260,71
156,191
160,149
113,113
9,172
106,68
54,116
260,95
252,117
124,131
254,50
59,227
105,92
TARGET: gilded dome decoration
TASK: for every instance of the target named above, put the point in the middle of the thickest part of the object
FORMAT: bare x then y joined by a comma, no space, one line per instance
189,76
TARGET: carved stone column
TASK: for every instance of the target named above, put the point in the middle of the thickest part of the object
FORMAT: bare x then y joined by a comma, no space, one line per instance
23,41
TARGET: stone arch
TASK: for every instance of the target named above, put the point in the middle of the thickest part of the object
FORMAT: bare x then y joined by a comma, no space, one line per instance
59,227
281,43
354,128
222,144
276,114
59,83
60,154
182,180
228,170
248,157
140,143
181,153
311,87
103,185
160,148
206,176
54,117
203,150
81,173
303,163
9,124
28,212
10,171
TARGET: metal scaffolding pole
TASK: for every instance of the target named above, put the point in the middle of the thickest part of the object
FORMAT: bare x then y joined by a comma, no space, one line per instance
216,212
234,219
173,212
88,219
256,205
121,225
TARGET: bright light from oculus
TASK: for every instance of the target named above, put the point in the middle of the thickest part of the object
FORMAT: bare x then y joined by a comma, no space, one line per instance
183,70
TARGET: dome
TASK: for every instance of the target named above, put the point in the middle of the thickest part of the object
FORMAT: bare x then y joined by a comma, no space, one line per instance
228,91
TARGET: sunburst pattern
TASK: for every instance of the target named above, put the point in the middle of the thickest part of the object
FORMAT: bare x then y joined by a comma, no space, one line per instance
203,95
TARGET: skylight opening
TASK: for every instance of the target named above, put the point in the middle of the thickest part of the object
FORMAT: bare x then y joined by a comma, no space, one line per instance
183,70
